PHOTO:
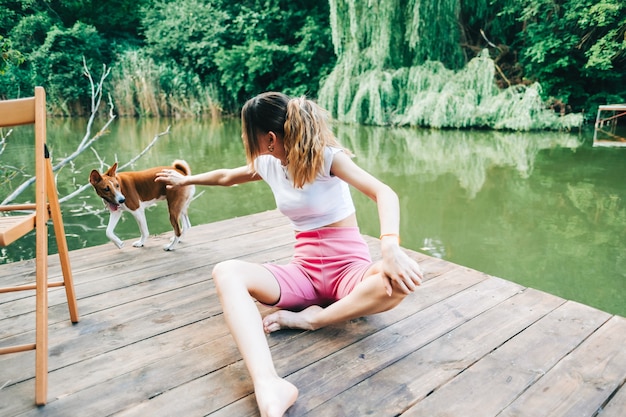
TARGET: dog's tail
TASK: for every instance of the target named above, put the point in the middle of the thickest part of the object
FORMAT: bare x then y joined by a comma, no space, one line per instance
182,165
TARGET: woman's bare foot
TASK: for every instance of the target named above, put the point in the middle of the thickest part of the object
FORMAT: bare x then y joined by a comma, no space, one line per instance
275,397
285,319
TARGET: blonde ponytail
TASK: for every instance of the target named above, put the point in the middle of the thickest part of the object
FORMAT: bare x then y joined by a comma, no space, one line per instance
306,135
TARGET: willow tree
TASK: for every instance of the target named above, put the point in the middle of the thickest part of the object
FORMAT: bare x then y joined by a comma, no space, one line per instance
400,62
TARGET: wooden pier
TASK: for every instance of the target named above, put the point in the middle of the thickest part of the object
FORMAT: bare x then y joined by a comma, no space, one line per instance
152,341
607,121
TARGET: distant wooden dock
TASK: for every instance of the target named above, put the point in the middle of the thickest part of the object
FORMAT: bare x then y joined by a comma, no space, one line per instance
606,124
152,341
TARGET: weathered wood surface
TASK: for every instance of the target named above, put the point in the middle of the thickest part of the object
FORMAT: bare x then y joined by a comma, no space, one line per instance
152,341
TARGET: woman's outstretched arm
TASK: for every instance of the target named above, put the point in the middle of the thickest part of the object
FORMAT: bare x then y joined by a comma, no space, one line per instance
223,176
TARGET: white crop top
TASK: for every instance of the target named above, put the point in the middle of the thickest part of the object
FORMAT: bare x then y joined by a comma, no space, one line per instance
325,201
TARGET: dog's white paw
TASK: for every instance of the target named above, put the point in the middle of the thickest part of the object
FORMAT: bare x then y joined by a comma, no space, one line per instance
170,246
138,244
119,244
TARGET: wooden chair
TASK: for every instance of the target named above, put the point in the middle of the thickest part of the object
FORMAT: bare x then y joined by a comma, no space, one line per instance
32,110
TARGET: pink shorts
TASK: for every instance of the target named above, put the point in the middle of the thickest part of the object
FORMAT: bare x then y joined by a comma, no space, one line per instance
326,266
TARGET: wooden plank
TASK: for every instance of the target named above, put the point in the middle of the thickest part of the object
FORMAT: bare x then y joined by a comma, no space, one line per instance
14,227
143,382
617,404
104,368
17,112
129,323
495,381
613,107
409,380
581,383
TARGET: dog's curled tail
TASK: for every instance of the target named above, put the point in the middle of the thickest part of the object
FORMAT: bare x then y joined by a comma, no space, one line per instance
182,165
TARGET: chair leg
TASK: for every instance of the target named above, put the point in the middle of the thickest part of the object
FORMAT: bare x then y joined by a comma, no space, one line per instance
41,315
59,233
67,273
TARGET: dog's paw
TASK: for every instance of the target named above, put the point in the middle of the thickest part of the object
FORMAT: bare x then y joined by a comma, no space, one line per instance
170,246
138,244
119,244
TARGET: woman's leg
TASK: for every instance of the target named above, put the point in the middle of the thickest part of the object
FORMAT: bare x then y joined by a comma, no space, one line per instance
237,282
368,297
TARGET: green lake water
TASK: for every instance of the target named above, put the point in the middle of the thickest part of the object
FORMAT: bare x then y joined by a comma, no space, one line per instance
546,210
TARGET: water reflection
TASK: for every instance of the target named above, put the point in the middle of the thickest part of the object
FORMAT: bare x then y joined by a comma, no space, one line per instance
541,209
425,155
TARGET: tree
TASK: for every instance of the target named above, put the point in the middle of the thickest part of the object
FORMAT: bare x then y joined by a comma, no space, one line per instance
244,47
575,47
229,51
116,20
188,32
58,64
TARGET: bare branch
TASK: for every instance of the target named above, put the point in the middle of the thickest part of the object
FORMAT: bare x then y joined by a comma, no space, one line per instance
85,145
3,140
146,149
102,164
96,99
482,33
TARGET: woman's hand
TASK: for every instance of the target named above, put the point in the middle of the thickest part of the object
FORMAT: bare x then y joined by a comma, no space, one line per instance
170,177
399,269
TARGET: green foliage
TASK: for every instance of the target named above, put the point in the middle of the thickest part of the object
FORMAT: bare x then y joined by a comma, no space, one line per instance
58,64
196,54
607,21
244,48
10,14
432,95
31,31
251,67
114,19
190,44
575,47
8,55
413,78
373,41
188,32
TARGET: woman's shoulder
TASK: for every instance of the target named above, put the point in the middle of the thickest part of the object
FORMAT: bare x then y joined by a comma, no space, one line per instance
264,164
329,154
331,150
329,158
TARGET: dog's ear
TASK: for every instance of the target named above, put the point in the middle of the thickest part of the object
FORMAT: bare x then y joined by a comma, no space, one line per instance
95,177
111,171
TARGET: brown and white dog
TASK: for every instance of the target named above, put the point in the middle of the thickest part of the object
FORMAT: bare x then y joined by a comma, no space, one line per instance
134,191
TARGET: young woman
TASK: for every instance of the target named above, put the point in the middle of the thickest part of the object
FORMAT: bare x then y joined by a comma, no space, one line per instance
331,277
